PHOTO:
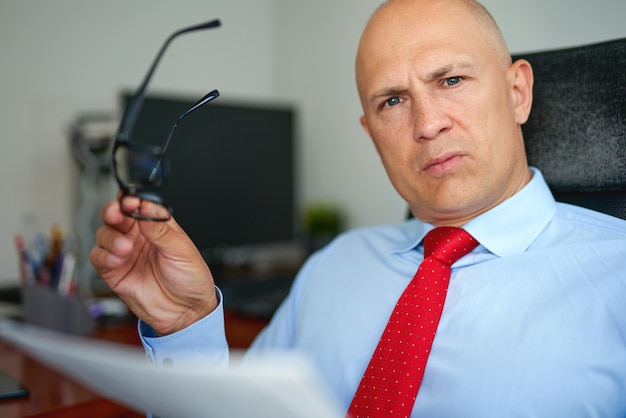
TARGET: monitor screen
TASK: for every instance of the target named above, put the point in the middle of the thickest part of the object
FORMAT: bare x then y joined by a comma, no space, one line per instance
231,168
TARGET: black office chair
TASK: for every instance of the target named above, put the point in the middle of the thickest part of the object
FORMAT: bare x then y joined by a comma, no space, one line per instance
576,133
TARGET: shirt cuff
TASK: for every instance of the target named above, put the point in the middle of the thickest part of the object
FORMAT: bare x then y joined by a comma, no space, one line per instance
203,341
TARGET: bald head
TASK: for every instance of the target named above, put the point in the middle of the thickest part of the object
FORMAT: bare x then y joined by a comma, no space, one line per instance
411,10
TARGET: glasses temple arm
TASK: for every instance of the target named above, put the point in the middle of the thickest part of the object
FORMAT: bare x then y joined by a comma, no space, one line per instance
130,115
206,99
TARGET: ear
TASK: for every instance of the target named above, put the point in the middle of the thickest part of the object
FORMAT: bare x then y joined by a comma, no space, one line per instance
364,124
521,79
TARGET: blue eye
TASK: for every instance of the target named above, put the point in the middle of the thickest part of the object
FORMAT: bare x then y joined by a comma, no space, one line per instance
452,81
392,101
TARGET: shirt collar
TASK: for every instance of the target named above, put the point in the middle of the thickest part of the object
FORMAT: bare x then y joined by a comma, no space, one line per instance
506,229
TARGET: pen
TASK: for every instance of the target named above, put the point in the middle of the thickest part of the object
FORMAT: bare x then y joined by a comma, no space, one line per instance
26,267
67,283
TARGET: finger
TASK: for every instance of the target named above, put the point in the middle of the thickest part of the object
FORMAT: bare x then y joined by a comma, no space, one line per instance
145,212
103,260
112,215
144,208
113,241
123,231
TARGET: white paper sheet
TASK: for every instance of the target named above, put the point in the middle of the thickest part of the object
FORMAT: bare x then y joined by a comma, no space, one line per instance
272,386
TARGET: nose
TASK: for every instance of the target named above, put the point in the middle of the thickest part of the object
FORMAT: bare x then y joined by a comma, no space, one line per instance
430,118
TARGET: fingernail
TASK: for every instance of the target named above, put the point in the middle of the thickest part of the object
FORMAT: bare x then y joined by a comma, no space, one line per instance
159,211
118,244
109,209
112,259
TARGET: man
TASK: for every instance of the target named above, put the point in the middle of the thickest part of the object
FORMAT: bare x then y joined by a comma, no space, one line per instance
534,321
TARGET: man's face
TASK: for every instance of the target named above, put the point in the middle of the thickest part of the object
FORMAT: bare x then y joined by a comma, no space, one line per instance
442,110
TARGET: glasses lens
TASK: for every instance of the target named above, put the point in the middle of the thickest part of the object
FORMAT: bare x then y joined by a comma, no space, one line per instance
139,166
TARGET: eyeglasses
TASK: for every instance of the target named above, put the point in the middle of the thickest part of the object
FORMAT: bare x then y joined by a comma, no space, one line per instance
141,170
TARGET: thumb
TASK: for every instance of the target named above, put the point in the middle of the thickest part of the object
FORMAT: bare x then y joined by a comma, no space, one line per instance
145,215
150,218
166,236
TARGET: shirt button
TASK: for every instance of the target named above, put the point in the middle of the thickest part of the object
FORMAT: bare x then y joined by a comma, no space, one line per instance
167,362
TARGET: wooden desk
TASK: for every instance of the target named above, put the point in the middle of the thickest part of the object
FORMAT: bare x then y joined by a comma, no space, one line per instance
241,329
54,395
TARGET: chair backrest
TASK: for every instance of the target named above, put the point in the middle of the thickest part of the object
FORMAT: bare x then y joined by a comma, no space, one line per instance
576,133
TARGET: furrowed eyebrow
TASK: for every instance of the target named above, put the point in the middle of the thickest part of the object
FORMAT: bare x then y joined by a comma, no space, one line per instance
440,72
431,76
445,70
388,92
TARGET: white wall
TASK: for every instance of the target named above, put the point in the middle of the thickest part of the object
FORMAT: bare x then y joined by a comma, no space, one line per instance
317,47
58,58
63,57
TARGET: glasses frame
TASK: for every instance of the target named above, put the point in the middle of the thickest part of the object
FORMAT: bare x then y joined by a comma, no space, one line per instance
150,191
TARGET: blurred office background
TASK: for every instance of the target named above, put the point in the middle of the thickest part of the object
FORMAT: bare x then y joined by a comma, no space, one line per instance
61,58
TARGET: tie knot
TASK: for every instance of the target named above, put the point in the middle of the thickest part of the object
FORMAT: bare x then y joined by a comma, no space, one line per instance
448,244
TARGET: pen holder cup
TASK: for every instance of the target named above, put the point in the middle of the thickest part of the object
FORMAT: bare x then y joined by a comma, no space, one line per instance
48,309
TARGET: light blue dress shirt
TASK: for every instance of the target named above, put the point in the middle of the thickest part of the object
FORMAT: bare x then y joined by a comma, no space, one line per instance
534,323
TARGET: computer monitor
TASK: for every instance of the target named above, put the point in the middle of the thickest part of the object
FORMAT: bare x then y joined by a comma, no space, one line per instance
232,168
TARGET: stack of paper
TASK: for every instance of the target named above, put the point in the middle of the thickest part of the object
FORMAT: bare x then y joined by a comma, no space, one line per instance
272,386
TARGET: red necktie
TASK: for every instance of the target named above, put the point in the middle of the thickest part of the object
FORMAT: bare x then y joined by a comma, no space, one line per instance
390,383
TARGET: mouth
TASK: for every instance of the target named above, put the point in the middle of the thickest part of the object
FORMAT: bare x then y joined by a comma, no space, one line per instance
443,164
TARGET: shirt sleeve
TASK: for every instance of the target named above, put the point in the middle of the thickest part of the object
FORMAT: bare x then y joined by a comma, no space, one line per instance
202,341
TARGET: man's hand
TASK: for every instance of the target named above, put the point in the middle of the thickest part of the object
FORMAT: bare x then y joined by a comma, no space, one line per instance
155,268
